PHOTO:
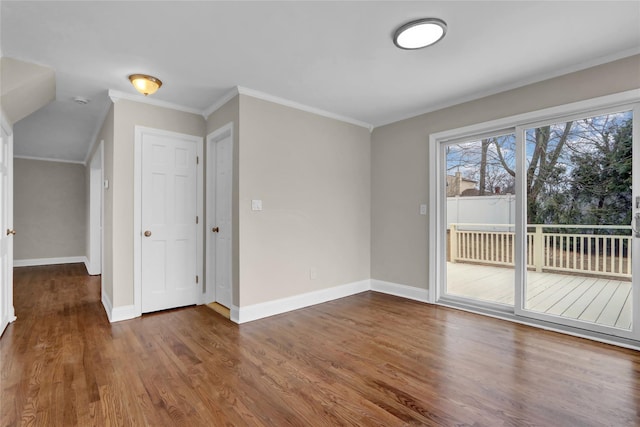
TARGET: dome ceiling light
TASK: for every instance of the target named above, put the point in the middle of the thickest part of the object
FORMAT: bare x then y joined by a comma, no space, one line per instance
420,33
146,85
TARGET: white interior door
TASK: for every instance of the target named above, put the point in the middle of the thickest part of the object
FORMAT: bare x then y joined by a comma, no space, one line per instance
168,223
220,161
6,229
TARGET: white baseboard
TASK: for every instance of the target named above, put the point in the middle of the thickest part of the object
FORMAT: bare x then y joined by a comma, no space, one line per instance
117,314
48,261
234,314
106,303
125,312
404,291
90,269
271,308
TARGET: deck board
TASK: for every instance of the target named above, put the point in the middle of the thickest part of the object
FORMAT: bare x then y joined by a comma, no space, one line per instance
596,300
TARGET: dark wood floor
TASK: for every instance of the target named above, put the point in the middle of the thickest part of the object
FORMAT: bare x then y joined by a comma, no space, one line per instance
369,359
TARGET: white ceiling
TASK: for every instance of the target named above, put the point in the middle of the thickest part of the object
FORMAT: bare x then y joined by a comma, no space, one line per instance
330,55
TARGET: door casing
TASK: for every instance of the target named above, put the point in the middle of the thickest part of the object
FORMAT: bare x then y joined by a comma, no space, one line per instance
7,312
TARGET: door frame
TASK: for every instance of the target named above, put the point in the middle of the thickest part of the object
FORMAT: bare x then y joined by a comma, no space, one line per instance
8,309
140,131
437,215
210,271
96,213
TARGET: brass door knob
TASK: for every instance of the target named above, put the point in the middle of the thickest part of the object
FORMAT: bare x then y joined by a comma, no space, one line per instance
215,229
11,232
147,233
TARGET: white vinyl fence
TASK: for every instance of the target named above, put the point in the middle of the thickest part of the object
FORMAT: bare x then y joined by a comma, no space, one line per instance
496,209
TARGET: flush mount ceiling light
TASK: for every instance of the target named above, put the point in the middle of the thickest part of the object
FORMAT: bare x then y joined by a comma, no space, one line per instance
420,33
81,100
146,85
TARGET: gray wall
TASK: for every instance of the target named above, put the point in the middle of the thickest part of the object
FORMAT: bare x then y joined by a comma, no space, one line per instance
49,209
313,176
400,163
119,169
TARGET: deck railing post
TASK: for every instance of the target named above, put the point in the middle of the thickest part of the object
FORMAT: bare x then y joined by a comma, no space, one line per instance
538,248
453,242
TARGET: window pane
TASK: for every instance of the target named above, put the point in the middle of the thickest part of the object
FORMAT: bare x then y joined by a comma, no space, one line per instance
579,176
480,210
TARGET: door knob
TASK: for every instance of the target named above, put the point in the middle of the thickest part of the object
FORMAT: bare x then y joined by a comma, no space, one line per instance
147,233
215,229
11,232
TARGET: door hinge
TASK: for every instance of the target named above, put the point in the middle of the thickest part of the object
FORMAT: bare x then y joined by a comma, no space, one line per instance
197,160
197,279
197,219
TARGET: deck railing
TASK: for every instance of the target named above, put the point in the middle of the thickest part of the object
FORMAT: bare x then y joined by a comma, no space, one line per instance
549,247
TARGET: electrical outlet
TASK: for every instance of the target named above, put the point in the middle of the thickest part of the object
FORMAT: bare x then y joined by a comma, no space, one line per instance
423,209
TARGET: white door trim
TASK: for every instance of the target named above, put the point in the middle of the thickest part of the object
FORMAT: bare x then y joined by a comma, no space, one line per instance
137,208
7,310
212,138
96,190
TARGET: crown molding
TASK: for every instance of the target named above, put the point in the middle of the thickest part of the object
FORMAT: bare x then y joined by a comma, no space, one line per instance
298,106
514,85
220,102
49,159
116,96
238,90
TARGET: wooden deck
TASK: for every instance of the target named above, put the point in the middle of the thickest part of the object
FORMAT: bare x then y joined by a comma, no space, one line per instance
596,300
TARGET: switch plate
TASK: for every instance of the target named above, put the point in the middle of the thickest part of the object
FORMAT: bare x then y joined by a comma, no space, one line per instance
256,205
313,273
423,209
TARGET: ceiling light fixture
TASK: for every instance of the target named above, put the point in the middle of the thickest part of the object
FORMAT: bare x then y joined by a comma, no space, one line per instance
146,85
420,33
81,100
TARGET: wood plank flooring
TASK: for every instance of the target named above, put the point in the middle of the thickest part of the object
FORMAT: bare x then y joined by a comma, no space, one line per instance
597,300
366,360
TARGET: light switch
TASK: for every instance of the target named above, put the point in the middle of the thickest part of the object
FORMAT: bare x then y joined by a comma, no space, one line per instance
106,183
256,205
423,209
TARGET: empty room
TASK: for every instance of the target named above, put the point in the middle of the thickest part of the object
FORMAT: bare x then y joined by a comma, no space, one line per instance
319,213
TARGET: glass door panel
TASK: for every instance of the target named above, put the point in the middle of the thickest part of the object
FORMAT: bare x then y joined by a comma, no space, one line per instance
579,204
480,218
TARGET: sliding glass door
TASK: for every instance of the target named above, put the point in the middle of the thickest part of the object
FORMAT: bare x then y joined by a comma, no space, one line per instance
540,220
579,178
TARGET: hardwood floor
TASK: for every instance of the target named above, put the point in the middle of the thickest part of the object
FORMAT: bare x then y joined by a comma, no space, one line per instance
369,359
